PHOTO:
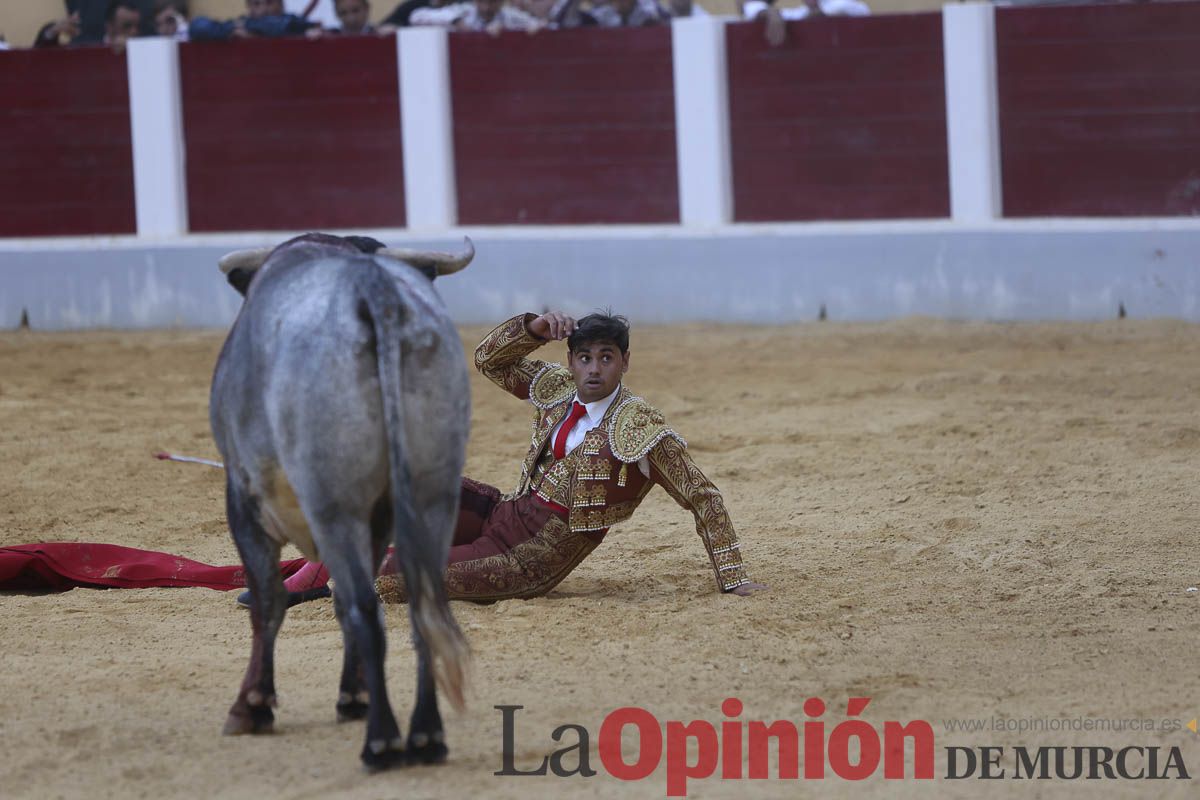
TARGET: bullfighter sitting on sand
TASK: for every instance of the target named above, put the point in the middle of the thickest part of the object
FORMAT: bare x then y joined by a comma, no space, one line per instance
596,451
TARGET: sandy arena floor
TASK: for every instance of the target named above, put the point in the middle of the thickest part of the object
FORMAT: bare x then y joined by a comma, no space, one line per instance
955,520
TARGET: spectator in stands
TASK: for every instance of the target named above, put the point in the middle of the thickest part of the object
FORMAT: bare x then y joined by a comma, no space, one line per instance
257,9
775,17
146,10
82,23
122,19
491,16
614,14
59,33
122,22
685,8
263,18
540,9
400,14
752,9
319,11
170,19
354,16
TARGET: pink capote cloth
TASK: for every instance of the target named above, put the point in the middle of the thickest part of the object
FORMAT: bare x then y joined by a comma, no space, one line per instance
58,566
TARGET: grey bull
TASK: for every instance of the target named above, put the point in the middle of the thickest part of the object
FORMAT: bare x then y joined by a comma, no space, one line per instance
341,407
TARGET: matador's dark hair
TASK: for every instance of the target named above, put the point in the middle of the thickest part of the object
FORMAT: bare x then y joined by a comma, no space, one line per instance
601,327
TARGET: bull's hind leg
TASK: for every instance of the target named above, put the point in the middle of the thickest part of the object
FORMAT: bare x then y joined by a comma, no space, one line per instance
251,711
361,617
426,737
353,697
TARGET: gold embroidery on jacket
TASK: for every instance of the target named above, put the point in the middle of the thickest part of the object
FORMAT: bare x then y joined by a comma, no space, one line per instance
593,442
500,356
543,424
551,386
635,428
589,494
684,481
594,468
601,518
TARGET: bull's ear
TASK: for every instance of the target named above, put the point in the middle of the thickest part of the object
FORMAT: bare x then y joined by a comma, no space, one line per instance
240,279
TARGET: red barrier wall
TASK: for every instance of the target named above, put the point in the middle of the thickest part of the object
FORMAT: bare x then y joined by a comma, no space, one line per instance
1100,109
565,127
66,163
846,120
289,134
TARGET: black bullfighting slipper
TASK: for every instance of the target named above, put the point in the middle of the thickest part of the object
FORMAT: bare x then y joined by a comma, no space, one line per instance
294,598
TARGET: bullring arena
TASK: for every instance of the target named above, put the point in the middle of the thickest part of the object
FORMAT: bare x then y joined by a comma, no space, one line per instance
956,520
921,291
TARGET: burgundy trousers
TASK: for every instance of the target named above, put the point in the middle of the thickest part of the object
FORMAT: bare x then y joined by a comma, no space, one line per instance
502,549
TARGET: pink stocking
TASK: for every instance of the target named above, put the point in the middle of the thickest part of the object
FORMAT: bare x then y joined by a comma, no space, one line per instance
310,576
314,574
388,567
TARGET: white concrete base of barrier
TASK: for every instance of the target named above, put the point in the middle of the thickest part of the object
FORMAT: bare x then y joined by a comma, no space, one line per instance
1003,270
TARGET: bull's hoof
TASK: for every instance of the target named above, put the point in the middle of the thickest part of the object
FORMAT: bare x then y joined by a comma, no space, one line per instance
351,711
379,755
352,706
427,748
249,719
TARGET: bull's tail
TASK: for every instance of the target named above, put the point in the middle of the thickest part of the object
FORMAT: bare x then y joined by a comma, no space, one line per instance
420,553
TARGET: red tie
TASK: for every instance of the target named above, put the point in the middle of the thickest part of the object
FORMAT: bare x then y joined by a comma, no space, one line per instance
560,441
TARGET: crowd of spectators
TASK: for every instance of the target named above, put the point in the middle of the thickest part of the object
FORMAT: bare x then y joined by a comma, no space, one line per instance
113,22
119,20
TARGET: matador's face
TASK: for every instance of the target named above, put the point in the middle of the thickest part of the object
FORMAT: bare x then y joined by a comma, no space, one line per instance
597,368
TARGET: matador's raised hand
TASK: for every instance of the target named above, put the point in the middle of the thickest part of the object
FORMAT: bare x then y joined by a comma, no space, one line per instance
552,326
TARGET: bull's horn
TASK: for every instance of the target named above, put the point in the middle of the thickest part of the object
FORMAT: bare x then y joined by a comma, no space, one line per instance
244,259
444,263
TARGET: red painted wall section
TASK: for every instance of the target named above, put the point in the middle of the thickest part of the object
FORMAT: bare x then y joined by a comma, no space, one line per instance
290,134
1100,109
66,162
565,127
846,120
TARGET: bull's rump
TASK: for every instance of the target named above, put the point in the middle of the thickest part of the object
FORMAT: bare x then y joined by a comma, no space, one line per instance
299,392
315,441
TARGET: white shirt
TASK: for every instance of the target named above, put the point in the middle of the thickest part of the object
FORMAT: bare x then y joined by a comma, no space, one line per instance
595,412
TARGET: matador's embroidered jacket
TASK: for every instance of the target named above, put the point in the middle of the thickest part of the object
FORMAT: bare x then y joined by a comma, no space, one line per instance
602,481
